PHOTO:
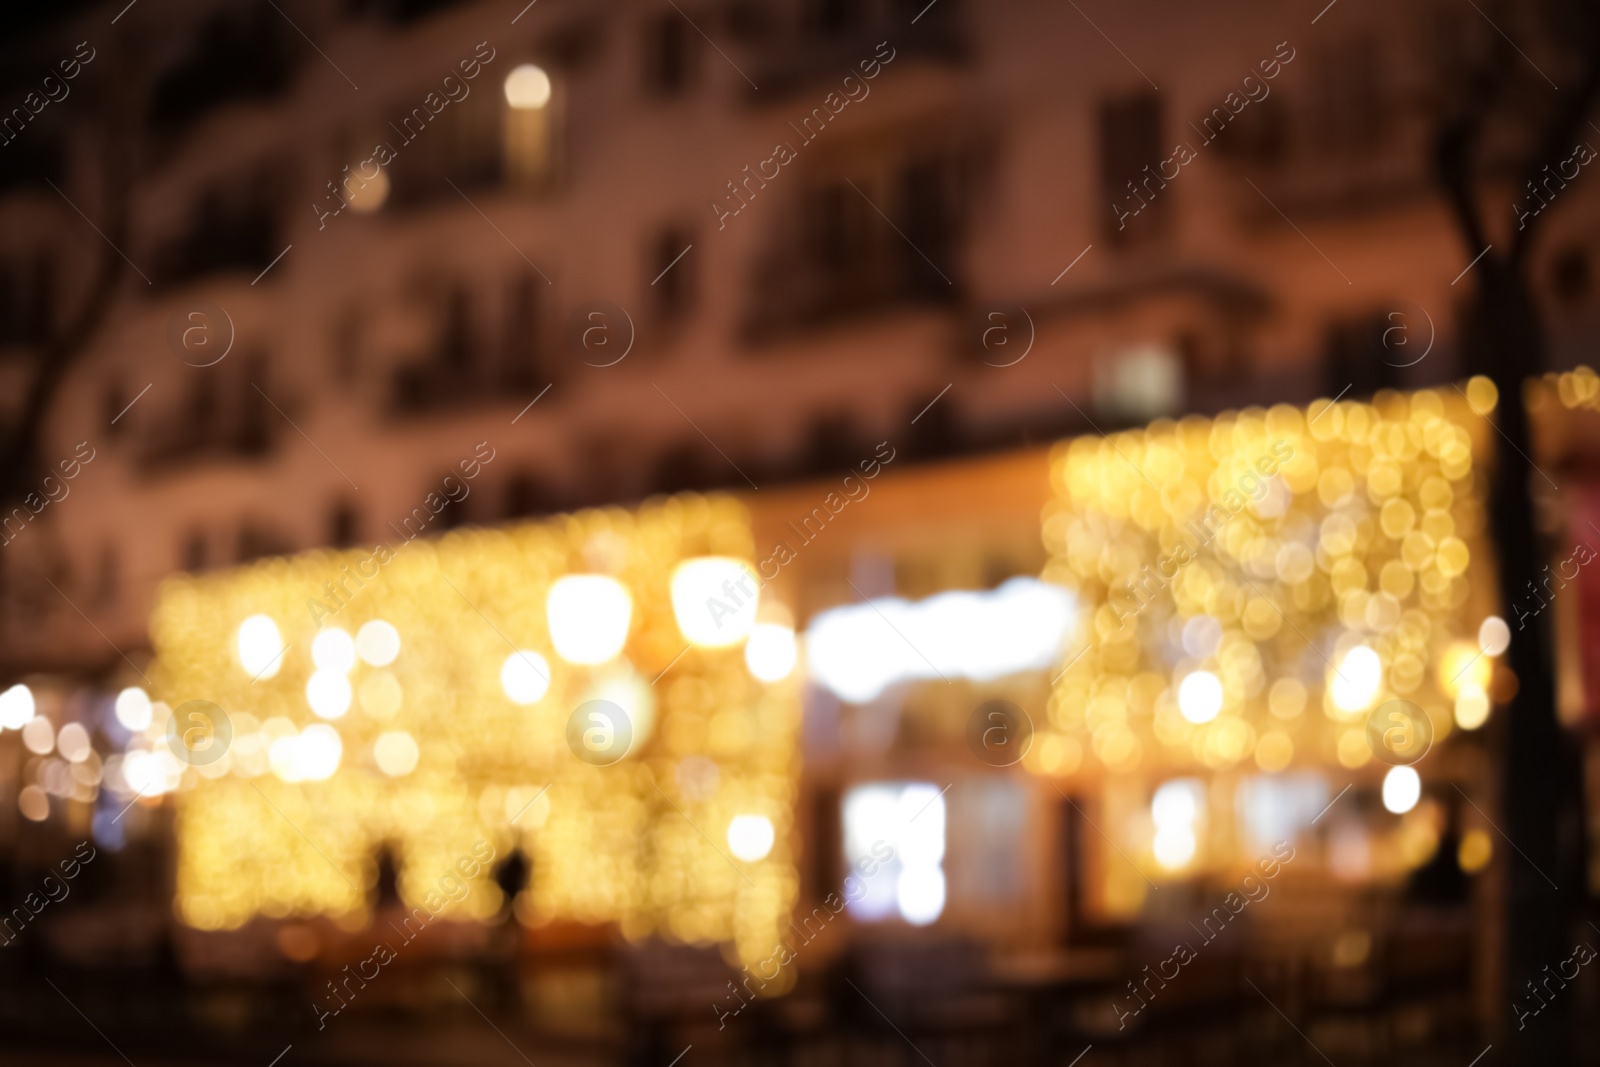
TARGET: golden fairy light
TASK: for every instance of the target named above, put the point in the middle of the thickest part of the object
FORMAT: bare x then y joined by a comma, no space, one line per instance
1253,585
418,698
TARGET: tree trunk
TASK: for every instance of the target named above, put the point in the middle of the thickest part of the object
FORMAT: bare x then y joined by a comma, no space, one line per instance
1541,783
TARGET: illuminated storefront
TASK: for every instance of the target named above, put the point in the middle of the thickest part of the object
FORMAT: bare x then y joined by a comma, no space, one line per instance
1202,619
443,695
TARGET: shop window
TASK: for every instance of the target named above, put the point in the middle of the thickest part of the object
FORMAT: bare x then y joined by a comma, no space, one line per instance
894,841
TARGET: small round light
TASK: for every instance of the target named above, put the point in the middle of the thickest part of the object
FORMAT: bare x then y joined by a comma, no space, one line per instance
73,742
1402,788
283,755
919,894
525,677
260,647
318,752
1472,708
39,737
142,773
714,600
1475,852
133,708
378,643
771,651
333,650
750,837
33,804
329,694
1358,679
527,87
16,707
369,195
395,753
589,615
1174,846
1174,803
1200,697
1494,636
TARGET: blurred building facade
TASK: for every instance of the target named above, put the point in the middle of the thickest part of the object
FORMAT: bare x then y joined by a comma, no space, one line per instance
728,246
920,237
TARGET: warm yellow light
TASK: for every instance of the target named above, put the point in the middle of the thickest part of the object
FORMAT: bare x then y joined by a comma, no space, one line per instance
329,694
260,647
750,837
33,803
395,753
771,651
1472,707
378,643
283,755
1475,851
588,616
73,742
141,774
1274,751
1200,697
1494,636
633,695
1248,538
486,767
133,709
318,752
16,707
364,194
1402,788
525,677
714,600
527,86
381,695
38,736
1357,681
333,650
1174,846
1482,394
1464,666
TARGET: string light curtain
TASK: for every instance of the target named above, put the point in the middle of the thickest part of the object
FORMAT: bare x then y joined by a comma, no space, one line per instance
1254,584
463,732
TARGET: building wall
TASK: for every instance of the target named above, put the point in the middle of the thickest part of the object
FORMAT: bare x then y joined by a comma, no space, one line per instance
806,326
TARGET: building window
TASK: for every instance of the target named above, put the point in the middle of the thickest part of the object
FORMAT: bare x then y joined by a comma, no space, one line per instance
1130,141
116,399
194,551
107,578
527,495
672,273
257,540
344,525
667,55
454,492
831,18
928,209
1347,98
530,128
522,348
347,345
837,227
